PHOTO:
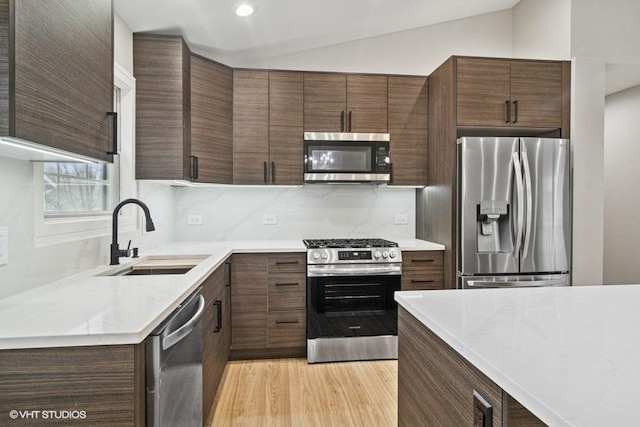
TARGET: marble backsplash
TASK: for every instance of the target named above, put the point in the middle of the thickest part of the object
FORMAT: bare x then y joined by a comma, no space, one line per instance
312,211
32,265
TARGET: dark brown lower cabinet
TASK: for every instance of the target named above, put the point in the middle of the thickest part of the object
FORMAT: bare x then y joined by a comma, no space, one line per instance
216,339
96,386
422,270
436,385
268,305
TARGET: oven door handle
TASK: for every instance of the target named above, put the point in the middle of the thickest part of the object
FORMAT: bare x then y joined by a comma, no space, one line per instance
333,271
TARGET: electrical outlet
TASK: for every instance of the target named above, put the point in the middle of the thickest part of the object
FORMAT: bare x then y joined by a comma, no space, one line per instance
194,219
401,219
4,245
269,219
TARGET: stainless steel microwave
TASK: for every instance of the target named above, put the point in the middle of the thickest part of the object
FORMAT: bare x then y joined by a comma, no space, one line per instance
346,157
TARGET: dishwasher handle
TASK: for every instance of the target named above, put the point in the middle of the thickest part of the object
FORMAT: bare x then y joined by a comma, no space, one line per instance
184,330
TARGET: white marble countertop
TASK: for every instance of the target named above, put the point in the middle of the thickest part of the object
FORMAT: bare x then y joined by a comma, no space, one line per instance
89,309
569,354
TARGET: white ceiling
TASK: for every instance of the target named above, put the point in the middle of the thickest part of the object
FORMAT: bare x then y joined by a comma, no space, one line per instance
280,27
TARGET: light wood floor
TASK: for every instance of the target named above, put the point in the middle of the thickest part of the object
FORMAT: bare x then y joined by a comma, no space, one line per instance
290,392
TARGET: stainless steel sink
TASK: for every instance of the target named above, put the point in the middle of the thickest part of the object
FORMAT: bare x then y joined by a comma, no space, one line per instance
151,271
157,265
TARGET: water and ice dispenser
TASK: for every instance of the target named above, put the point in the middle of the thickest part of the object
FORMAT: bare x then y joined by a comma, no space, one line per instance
492,232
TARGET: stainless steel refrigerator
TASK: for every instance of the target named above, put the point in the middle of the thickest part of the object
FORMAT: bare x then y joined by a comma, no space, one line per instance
514,212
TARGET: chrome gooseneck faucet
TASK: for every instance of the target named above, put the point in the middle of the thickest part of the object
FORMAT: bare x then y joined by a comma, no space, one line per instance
116,252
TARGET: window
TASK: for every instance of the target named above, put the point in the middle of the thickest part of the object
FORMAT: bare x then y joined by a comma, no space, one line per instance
75,200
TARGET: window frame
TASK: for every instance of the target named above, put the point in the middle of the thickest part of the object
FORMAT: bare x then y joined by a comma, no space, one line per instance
53,229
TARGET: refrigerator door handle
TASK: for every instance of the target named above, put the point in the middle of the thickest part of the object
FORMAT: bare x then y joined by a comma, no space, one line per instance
518,284
519,203
527,181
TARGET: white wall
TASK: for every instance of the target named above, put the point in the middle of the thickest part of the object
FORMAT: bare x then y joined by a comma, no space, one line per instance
587,137
606,29
123,44
312,211
542,29
418,51
622,187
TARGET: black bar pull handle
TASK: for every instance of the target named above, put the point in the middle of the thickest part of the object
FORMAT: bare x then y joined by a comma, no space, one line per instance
349,121
265,172
422,260
342,121
515,105
390,173
287,262
421,281
228,265
114,137
197,168
508,104
280,322
218,327
288,284
192,171
273,172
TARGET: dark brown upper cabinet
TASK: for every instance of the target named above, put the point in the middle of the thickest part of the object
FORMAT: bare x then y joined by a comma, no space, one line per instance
345,103
212,120
267,127
408,129
286,105
517,93
56,74
162,68
250,127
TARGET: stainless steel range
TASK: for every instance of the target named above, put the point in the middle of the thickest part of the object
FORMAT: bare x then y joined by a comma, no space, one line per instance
351,313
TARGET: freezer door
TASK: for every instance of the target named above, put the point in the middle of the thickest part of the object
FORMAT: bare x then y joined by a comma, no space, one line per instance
489,219
520,281
546,164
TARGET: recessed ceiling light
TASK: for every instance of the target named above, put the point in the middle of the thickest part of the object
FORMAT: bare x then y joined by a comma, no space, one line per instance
244,10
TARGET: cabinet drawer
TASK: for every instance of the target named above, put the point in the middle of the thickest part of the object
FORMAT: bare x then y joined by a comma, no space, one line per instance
287,263
287,291
425,261
418,281
287,328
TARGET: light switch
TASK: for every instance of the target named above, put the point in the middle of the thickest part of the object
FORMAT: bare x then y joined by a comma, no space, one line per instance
269,219
4,245
194,219
401,219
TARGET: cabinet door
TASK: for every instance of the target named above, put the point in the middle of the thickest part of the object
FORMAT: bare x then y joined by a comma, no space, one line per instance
249,301
250,127
408,129
536,87
422,270
286,103
366,103
325,102
63,75
161,66
211,120
484,89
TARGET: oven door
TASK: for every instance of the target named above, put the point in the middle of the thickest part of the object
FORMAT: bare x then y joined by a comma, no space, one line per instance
352,306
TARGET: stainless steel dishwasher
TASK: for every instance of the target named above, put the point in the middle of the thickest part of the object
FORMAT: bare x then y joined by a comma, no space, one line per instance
174,367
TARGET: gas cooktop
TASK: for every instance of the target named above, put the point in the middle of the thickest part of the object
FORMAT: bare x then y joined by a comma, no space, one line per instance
348,243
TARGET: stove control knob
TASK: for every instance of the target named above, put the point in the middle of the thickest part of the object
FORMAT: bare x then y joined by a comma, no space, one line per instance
316,255
392,254
376,255
385,254
324,255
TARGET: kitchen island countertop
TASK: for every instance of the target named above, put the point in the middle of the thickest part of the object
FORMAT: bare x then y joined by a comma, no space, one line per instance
93,309
567,354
